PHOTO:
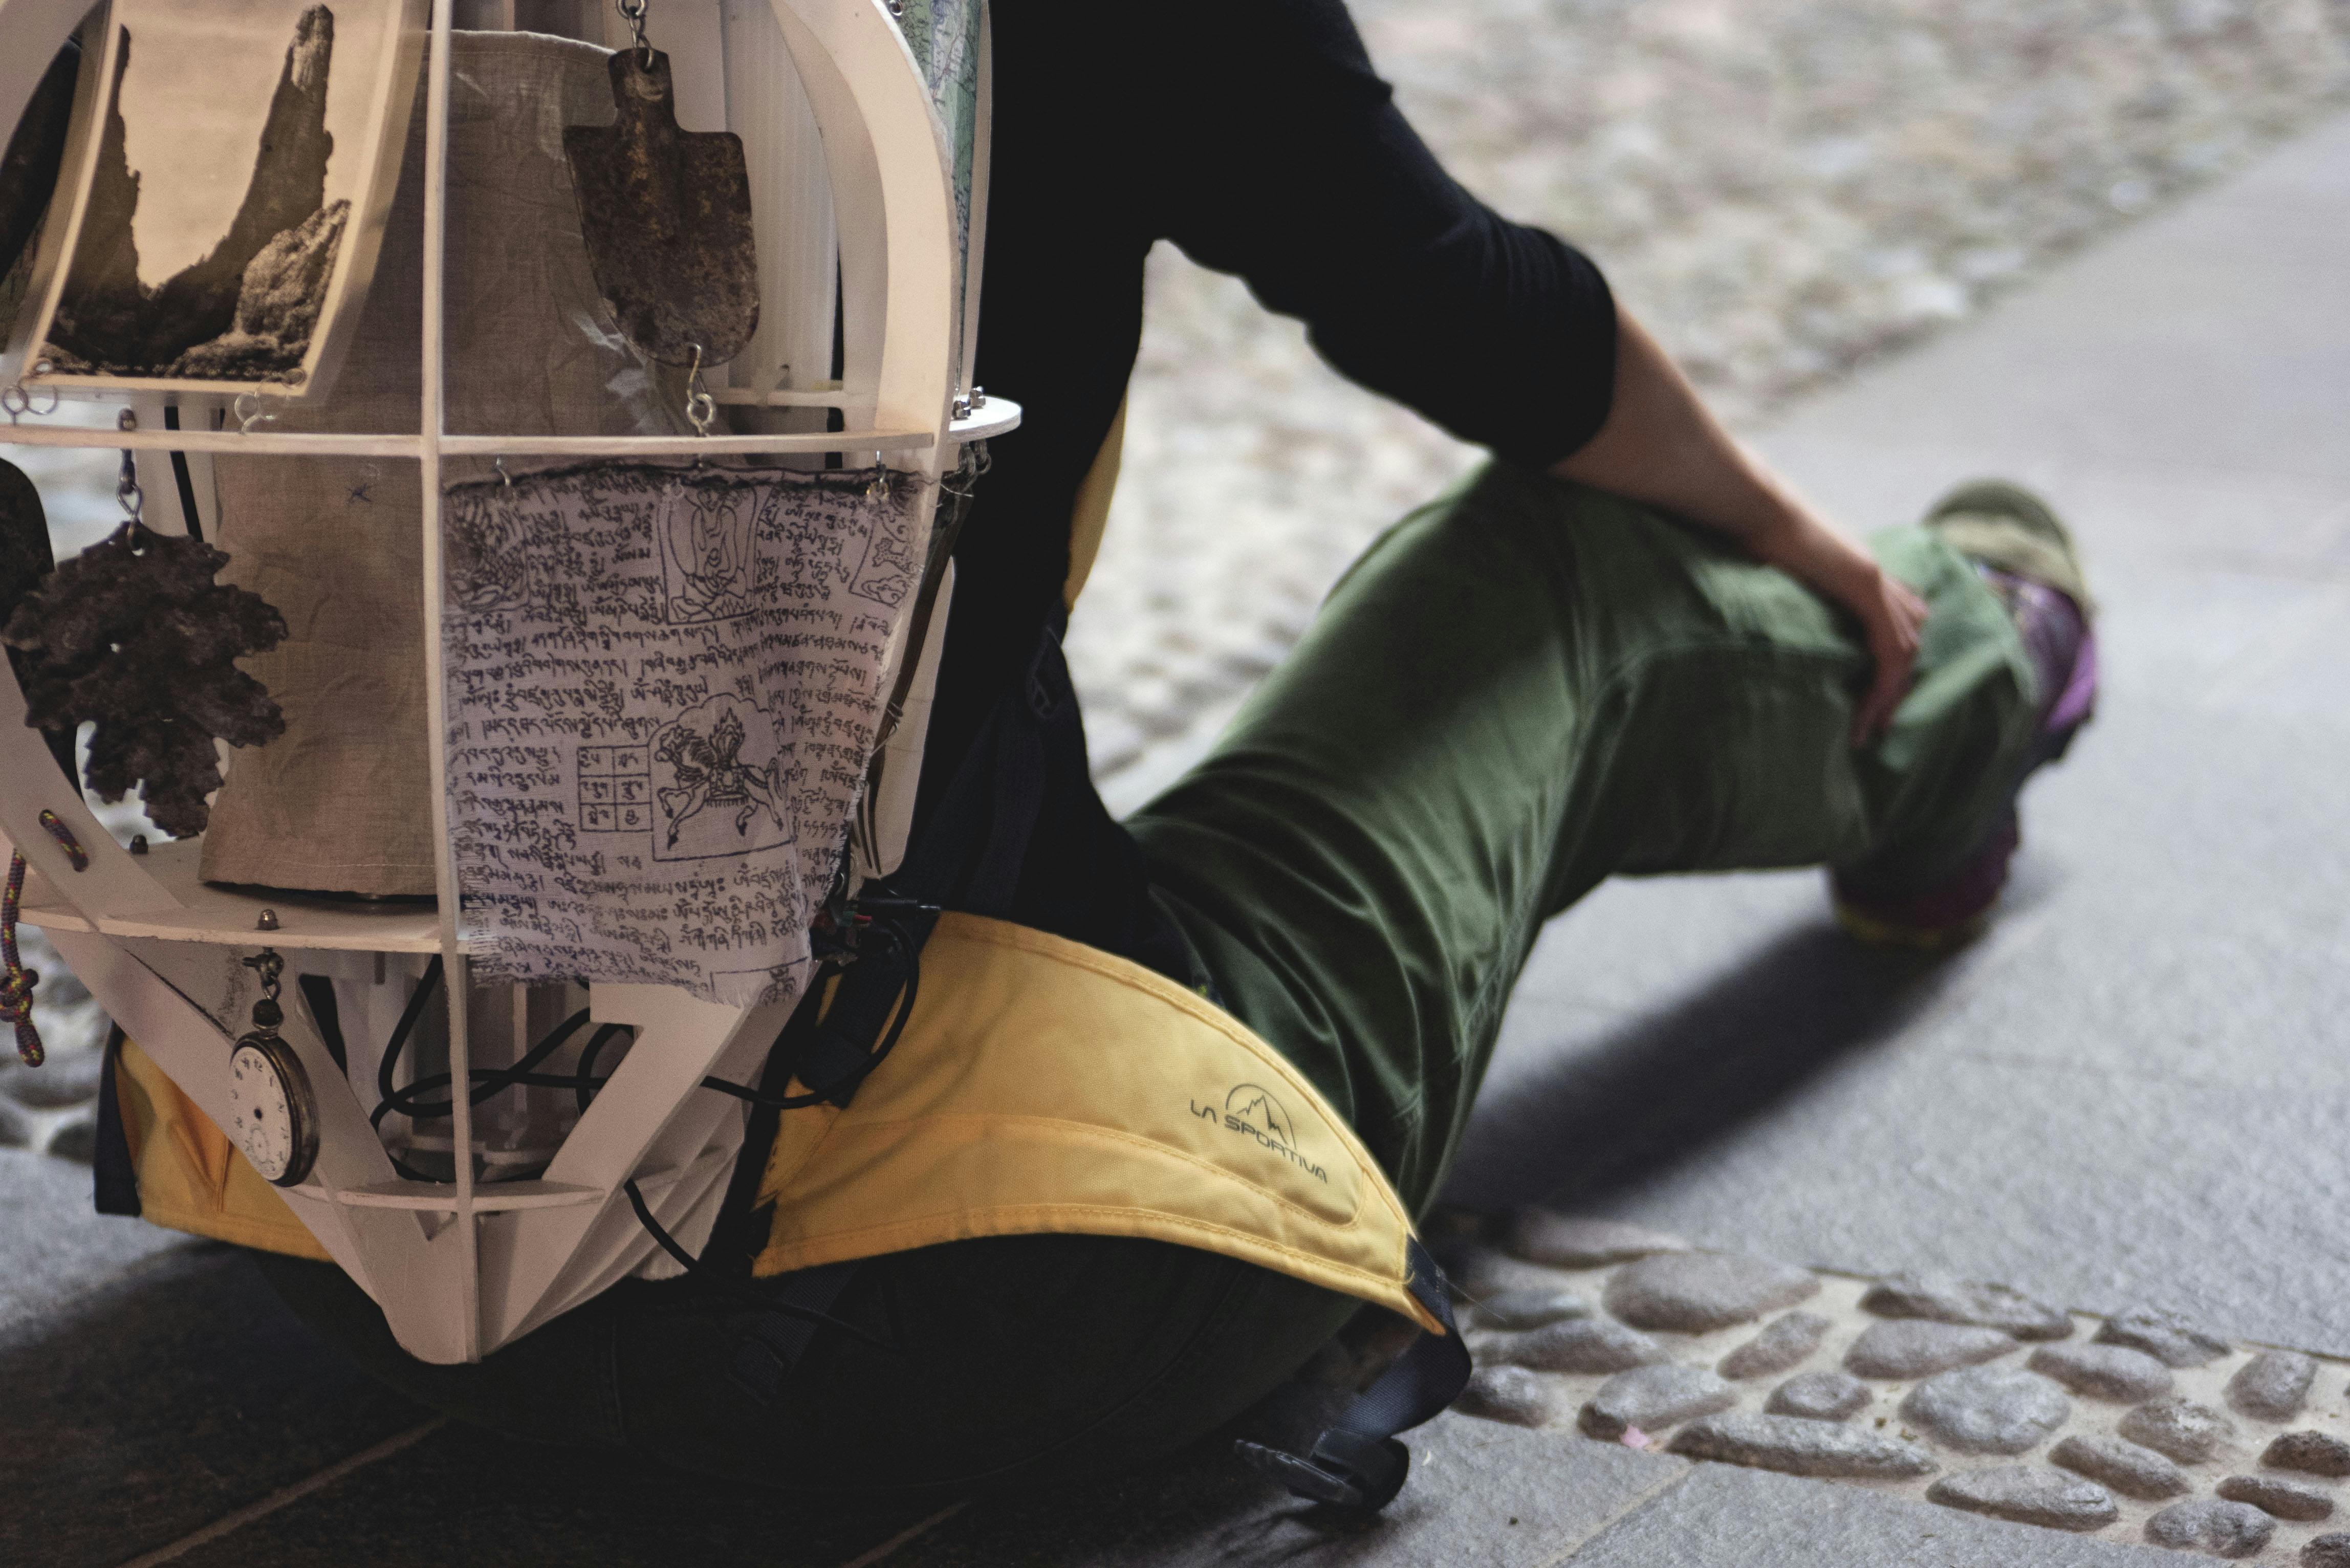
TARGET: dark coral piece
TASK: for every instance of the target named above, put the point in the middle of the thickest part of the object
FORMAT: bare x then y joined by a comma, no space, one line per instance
134,636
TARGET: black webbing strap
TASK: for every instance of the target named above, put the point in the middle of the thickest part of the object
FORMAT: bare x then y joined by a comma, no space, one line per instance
114,1181
1358,1463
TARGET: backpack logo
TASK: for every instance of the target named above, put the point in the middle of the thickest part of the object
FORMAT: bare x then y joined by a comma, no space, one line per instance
1250,1111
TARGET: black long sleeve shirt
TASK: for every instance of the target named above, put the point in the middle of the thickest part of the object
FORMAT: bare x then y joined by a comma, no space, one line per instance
1255,135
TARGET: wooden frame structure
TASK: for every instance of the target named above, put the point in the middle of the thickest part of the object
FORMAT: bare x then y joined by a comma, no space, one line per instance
465,1266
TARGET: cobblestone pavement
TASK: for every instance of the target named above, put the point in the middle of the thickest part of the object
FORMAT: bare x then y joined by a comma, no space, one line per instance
1781,188
1968,1395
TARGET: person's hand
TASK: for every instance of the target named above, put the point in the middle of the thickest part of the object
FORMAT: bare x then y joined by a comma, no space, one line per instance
1808,549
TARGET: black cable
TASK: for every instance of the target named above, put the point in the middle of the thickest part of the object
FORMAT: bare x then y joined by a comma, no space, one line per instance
489,1080
702,1273
180,475
880,1051
587,1083
408,1017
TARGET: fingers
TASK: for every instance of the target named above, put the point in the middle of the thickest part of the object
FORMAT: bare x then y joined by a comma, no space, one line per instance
1893,624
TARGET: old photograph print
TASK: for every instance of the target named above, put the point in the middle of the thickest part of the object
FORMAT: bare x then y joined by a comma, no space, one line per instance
236,146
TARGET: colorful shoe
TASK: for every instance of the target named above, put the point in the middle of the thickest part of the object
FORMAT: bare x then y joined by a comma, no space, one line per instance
2028,559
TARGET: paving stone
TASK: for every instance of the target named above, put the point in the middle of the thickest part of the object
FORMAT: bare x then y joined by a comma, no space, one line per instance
65,1079
1524,1309
2167,1336
2114,1373
1819,1396
1799,1446
1567,1242
2272,1386
2029,1494
2127,1466
1510,1394
76,1140
2188,1432
1726,1516
1987,1409
1655,1397
2328,1550
2312,1453
1694,1292
1578,1345
1947,1300
2296,1500
2209,1524
1480,1273
1919,1348
1784,1341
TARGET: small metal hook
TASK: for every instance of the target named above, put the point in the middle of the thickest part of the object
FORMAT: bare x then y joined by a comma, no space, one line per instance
632,12
15,398
700,407
244,421
500,465
127,491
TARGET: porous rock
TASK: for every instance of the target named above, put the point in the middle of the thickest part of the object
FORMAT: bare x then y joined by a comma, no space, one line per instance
1819,1396
1802,1448
1784,1341
2029,1494
2331,1549
2165,1335
2188,1432
1578,1345
1510,1394
1693,1293
1655,1397
1567,1242
2110,1372
1524,1309
2128,1468
2296,1500
2272,1386
2211,1524
1946,1300
1987,1409
1920,1347
2311,1453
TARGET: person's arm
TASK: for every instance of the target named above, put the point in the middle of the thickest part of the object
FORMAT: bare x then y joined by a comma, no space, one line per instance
1659,444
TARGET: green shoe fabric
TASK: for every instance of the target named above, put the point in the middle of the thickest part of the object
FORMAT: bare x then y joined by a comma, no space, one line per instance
2005,525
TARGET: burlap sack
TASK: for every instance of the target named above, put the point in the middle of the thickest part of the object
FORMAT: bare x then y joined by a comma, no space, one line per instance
342,801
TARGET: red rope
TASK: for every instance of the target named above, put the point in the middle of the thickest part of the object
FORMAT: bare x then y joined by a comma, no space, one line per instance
17,983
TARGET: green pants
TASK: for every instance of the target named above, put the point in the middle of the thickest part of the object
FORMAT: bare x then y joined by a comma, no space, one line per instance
1518,692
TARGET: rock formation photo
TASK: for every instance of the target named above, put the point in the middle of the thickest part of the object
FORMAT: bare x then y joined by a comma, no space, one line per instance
245,312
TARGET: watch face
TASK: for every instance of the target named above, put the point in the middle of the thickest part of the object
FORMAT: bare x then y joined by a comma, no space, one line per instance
271,1118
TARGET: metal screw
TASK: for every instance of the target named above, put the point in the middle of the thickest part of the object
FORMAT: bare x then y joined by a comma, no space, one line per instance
138,844
979,397
128,419
962,407
269,921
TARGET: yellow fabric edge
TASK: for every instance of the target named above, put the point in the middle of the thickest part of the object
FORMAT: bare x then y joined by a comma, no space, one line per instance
1172,1194
190,1178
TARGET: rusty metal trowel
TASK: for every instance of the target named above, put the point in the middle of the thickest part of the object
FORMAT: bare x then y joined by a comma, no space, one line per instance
667,217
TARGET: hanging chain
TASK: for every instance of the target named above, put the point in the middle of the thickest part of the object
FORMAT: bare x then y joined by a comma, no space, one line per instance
269,965
700,407
632,12
127,491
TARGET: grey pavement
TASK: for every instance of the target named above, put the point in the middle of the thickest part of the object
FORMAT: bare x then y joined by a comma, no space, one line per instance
2136,1087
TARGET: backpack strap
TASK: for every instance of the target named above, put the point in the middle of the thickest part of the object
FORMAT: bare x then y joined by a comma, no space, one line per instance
1358,1463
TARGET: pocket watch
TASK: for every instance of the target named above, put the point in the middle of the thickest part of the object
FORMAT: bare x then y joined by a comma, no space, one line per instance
272,1114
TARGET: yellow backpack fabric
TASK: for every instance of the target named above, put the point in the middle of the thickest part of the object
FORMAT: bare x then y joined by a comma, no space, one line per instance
1040,1085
